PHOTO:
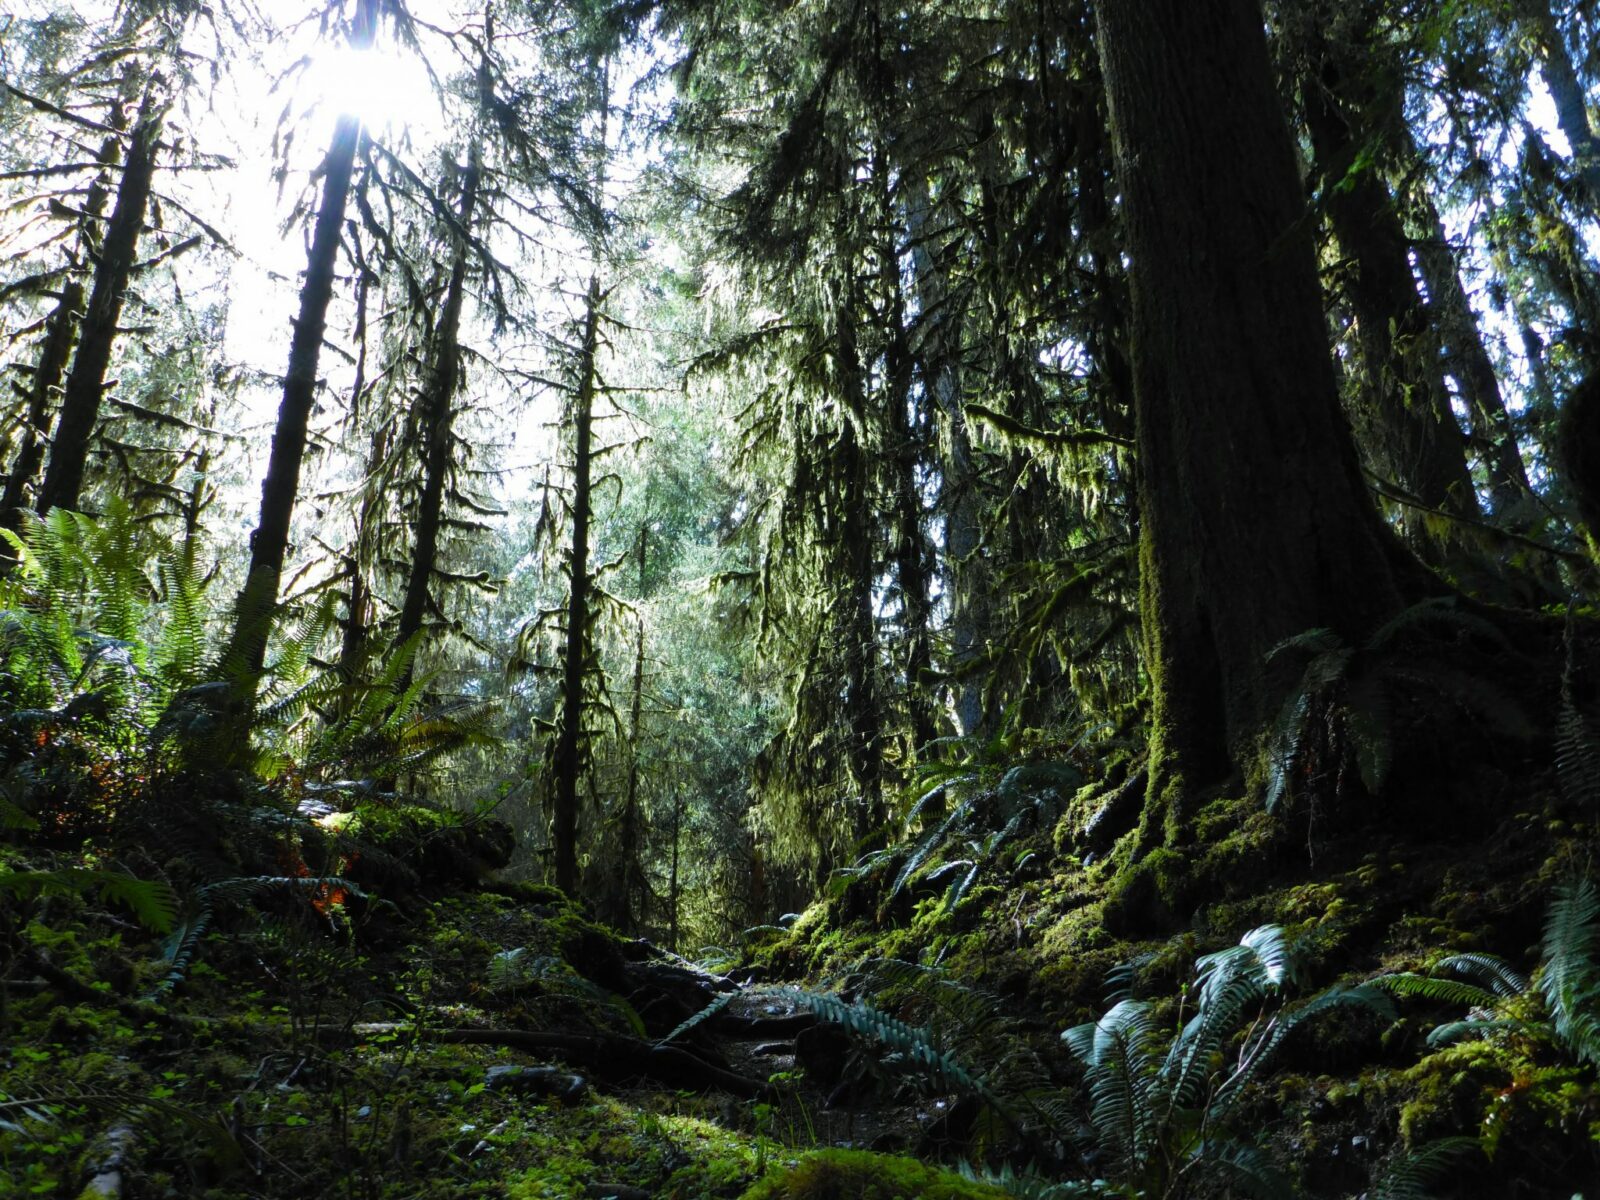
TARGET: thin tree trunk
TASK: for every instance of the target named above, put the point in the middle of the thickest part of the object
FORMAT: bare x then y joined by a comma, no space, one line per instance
1412,432
85,385
1256,524
568,762
1567,92
911,556
672,879
269,544
628,882
968,579
357,623
60,332
438,412
62,328
1468,360
861,699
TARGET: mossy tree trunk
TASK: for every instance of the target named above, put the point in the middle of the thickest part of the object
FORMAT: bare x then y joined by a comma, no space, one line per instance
906,461
630,876
959,507
1403,403
859,626
567,761
437,416
1255,522
86,381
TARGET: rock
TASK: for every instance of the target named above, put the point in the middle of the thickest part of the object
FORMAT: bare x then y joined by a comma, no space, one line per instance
537,1081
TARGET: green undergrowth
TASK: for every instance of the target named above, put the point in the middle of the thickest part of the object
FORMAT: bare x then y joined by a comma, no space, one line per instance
861,1175
1352,1102
288,1062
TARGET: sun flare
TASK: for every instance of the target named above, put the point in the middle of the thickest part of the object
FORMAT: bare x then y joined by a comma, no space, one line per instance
387,91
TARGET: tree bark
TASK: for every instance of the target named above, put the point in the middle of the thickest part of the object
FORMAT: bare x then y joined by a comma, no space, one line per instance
269,543
85,385
958,504
911,556
568,761
438,412
628,868
1567,92
1467,358
1412,432
60,332
1255,522
859,624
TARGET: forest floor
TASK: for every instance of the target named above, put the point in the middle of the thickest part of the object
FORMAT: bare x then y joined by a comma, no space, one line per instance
490,1040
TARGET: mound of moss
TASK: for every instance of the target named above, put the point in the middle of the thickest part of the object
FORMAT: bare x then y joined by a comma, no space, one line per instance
861,1175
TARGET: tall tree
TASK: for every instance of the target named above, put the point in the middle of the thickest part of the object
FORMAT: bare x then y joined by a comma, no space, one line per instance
436,410
269,543
1410,430
570,752
1568,92
86,381
1255,522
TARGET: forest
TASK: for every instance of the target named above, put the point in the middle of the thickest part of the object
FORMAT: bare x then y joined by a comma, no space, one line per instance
800,599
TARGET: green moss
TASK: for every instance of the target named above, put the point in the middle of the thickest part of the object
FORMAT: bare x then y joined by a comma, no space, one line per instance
1152,893
860,1175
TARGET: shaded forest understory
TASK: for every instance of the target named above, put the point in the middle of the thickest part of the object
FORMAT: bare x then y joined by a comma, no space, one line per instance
827,600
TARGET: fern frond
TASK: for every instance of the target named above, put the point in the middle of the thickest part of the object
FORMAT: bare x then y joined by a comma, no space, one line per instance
1570,977
151,900
1258,1051
1472,1029
1447,991
1440,612
1491,972
699,1018
1246,1168
1411,1177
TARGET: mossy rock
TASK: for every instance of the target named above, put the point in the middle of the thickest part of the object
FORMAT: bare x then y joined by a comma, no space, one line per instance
441,847
861,1175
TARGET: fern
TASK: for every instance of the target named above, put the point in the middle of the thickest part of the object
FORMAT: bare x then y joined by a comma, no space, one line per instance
700,1018
1161,1113
1570,978
1568,982
1447,991
1411,1177
179,949
151,901
914,1049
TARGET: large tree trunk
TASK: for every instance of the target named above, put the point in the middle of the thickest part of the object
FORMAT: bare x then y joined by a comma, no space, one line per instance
567,766
80,399
1411,431
438,413
1256,524
269,544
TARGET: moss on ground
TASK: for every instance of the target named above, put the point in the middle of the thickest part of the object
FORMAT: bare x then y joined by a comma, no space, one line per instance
861,1175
